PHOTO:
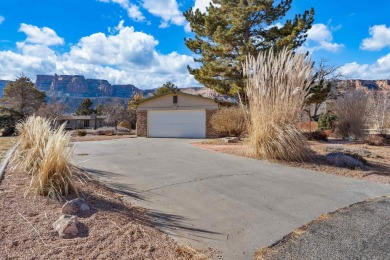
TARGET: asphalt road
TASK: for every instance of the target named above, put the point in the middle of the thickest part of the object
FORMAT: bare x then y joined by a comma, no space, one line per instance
360,231
205,198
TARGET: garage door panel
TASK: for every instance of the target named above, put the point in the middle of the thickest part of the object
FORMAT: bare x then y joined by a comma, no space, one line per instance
177,123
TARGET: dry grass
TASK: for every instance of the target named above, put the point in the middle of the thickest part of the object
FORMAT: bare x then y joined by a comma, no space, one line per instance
5,144
44,154
277,86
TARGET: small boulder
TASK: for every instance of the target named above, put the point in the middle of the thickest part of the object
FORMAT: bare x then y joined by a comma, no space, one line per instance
66,226
342,160
75,206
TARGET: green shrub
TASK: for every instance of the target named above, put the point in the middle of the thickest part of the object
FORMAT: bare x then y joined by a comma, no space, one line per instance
229,122
81,133
325,121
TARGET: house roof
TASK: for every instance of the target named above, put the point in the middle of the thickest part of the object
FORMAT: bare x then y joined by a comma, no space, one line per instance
72,117
185,94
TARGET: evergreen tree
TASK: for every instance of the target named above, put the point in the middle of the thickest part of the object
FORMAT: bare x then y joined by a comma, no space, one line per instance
168,87
22,97
85,108
232,29
99,109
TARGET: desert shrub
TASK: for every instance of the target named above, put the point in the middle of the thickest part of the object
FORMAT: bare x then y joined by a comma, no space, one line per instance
316,135
277,86
81,133
229,121
351,114
125,124
325,121
44,154
377,140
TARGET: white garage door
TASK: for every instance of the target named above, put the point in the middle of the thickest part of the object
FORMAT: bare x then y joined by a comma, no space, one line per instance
177,123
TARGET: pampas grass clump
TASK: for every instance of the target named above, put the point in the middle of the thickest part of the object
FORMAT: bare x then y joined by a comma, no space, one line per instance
44,154
277,86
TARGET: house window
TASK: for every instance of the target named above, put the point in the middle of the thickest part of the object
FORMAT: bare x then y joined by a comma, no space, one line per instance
174,99
86,123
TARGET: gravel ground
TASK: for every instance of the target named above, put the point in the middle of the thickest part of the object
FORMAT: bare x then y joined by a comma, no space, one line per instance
114,229
360,231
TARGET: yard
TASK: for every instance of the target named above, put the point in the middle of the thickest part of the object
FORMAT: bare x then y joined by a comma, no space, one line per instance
377,157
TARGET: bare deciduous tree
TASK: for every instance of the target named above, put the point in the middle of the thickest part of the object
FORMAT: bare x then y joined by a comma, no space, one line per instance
351,111
116,113
52,110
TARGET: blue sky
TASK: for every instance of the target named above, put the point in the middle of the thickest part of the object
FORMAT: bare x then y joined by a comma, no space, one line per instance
141,41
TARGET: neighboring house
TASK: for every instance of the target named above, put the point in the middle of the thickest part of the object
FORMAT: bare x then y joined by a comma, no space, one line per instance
177,115
82,122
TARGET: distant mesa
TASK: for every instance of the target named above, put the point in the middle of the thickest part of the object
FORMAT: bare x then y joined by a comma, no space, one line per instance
78,86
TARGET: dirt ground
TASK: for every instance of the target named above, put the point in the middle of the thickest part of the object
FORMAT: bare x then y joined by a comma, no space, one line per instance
376,170
113,229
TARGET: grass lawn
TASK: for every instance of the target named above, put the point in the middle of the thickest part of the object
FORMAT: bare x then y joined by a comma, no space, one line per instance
5,144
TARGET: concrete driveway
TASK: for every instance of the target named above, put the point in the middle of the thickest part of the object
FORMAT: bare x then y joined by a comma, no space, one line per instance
205,198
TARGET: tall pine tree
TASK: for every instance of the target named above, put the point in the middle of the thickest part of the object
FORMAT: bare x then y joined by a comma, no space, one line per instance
232,29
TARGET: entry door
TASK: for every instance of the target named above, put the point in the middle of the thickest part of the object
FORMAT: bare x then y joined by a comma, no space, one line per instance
177,123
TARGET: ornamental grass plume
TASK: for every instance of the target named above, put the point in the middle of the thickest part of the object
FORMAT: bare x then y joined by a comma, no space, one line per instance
45,155
277,85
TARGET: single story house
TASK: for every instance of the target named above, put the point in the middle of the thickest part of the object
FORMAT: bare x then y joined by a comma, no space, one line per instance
82,122
176,115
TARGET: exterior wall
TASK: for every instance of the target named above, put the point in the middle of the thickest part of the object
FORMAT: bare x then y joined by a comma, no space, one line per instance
184,102
210,132
142,123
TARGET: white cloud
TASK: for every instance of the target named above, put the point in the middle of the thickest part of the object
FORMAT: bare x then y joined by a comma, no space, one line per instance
319,37
167,10
2,19
380,38
125,56
201,5
44,35
378,70
133,10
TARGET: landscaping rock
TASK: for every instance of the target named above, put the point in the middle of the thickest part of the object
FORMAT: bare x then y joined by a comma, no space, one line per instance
66,226
356,153
342,160
75,206
231,139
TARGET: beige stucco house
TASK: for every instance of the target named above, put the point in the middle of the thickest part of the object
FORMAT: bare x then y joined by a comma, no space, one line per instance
176,115
82,122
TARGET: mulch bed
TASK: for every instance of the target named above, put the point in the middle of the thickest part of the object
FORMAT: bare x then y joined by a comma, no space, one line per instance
113,229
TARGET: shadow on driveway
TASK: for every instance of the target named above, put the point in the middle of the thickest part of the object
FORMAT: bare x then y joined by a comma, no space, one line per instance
170,223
